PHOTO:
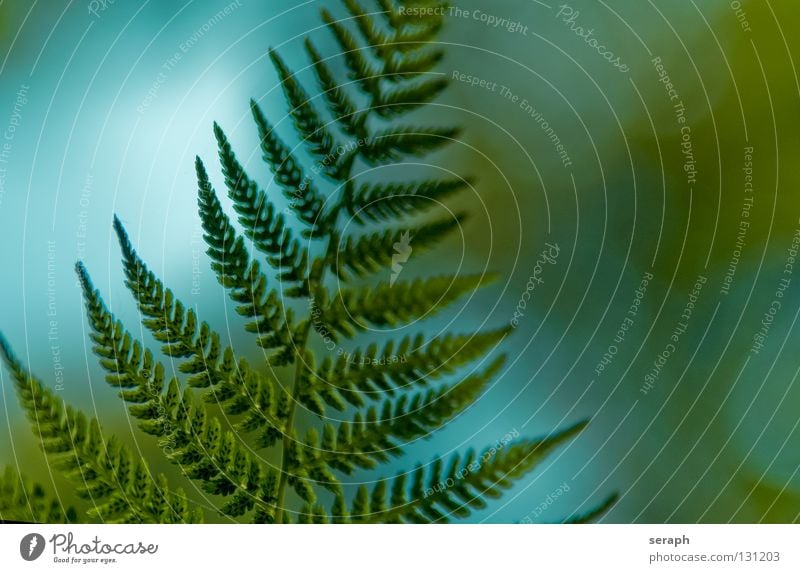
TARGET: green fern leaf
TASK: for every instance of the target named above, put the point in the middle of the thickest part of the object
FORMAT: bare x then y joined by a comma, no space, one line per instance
246,284
172,325
233,384
413,38
390,201
360,70
441,493
188,438
342,107
372,438
363,255
392,18
373,373
21,500
412,65
375,38
310,125
390,304
262,224
396,143
404,99
120,489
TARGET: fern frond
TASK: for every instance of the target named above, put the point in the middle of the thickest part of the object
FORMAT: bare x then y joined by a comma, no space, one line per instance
197,444
414,64
407,31
441,493
313,395
595,513
406,98
374,36
312,514
309,124
414,37
360,69
344,110
372,373
302,475
387,304
172,324
262,224
120,488
378,202
304,198
403,54
374,437
360,256
398,142
394,20
233,385
21,500
245,282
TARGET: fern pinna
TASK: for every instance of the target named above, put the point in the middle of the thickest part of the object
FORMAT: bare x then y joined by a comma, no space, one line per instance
223,420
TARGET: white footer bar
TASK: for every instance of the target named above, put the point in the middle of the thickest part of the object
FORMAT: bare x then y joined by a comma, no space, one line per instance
399,548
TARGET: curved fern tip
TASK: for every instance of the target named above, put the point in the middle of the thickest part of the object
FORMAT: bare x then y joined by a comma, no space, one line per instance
202,174
489,278
84,278
80,269
5,348
218,133
572,431
8,356
312,49
122,237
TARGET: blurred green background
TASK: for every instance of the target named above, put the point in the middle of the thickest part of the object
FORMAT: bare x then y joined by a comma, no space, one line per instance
97,120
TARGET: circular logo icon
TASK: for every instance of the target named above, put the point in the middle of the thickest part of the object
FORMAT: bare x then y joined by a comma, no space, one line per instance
31,547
